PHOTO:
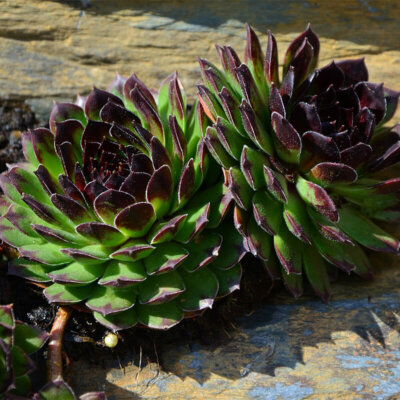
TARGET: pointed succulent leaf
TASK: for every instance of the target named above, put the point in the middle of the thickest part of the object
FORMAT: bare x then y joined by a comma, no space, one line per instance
134,249
354,71
159,190
161,288
148,113
230,138
203,250
255,128
109,203
232,249
276,184
92,254
30,270
116,322
27,148
165,258
296,217
294,283
202,288
328,173
231,107
217,150
365,232
251,164
101,233
259,241
46,253
239,188
271,72
267,212
77,273
123,273
136,220
229,280
315,270
63,111
288,250
327,228
57,293
318,198
43,145
109,300
165,231
160,316
96,100
309,36
287,140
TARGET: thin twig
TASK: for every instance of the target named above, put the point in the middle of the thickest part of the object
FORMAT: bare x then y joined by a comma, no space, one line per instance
54,349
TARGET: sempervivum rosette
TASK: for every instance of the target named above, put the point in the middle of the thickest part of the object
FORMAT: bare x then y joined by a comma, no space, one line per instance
17,341
107,210
301,156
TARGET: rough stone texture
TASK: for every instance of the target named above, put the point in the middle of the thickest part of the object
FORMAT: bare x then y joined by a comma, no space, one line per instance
347,350
287,350
53,50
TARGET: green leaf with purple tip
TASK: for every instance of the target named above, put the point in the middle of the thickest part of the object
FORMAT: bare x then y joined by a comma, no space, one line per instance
201,290
203,250
318,198
251,164
136,220
91,254
101,233
30,270
123,273
165,231
195,222
133,250
29,338
108,300
267,212
160,316
232,249
216,149
77,273
365,232
122,320
11,235
315,270
159,190
166,257
63,294
259,241
288,250
228,279
161,288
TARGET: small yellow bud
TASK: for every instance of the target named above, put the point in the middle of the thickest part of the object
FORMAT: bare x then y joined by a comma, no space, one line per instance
111,340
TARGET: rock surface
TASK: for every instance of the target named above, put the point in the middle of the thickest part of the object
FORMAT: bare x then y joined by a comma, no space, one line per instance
55,49
287,350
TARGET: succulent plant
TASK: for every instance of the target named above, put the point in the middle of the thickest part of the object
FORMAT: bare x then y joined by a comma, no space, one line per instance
302,157
17,341
118,207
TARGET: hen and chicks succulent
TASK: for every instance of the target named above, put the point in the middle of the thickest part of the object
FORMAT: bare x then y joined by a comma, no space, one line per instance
302,152
117,207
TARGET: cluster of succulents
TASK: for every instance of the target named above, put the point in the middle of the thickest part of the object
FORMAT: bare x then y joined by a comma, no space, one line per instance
302,155
17,342
122,205
118,207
